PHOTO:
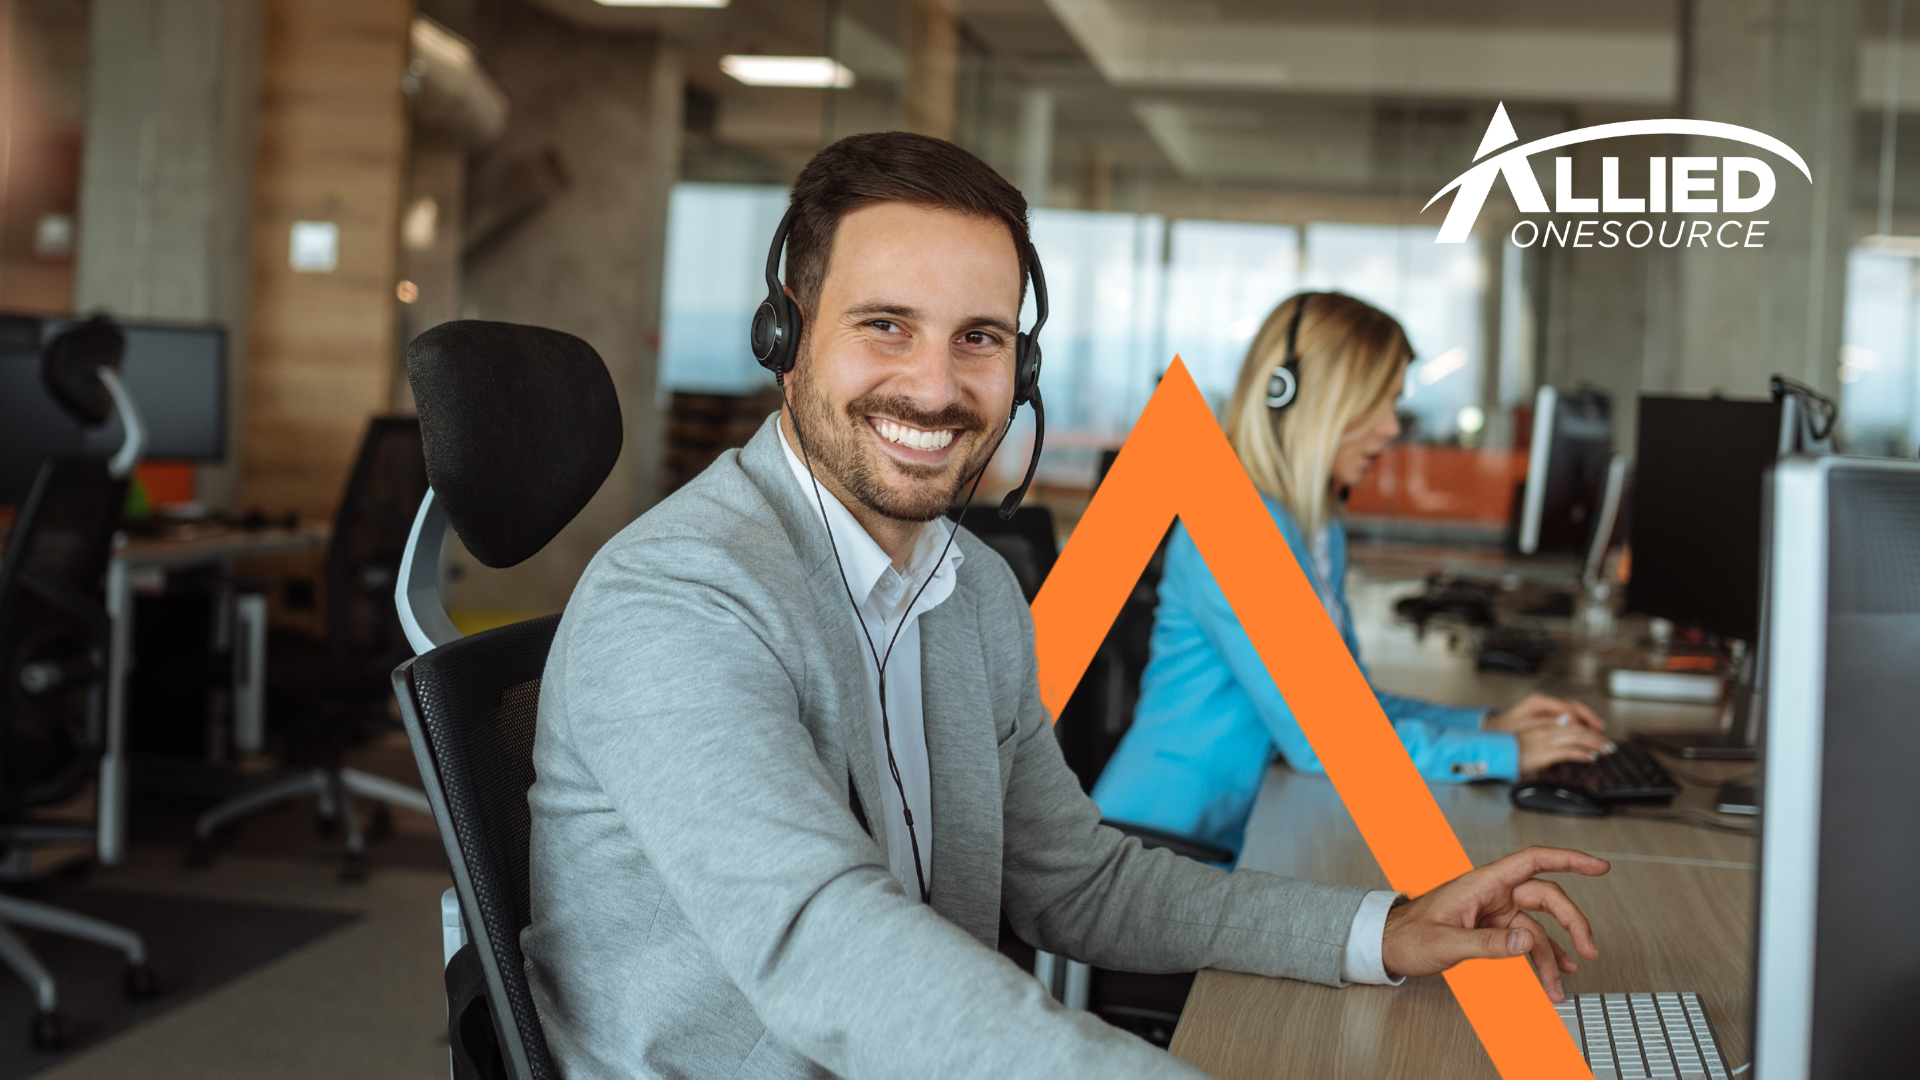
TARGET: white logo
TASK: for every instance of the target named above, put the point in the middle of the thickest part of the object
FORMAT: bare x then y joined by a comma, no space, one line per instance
1687,181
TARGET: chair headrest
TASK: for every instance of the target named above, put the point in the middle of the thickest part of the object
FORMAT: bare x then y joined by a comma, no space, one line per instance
70,368
520,425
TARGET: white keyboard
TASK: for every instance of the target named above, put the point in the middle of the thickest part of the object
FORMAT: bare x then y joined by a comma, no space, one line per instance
1644,1036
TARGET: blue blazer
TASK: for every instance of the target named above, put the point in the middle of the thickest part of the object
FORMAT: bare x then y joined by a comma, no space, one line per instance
1210,718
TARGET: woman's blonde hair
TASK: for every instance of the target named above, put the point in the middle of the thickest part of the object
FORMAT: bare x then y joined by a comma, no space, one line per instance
1349,356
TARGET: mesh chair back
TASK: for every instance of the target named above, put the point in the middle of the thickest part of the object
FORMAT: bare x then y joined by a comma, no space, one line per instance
470,708
388,481
53,613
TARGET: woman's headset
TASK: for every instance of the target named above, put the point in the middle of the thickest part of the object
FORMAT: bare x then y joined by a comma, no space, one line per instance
1283,386
777,327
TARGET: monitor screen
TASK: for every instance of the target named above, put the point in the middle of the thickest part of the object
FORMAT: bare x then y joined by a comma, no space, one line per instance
176,375
1697,493
1566,471
1838,949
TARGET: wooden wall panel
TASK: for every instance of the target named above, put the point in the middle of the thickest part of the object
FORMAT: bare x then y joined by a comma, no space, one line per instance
332,147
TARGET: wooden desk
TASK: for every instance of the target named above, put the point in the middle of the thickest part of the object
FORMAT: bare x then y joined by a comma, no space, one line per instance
132,560
1676,913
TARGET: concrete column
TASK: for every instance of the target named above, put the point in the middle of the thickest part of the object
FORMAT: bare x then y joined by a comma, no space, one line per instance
1036,144
585,257
1788,68
167,178
933,66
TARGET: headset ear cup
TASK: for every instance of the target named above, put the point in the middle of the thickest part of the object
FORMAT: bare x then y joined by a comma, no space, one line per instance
1282,388
795,323
764,336
1026,368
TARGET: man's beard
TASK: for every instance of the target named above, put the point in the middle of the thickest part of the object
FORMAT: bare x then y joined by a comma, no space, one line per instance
835,448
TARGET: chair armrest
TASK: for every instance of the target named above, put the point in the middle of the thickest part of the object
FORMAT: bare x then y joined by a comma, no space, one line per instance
1179,845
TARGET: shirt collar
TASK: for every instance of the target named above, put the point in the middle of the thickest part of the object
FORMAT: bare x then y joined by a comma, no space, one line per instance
868,567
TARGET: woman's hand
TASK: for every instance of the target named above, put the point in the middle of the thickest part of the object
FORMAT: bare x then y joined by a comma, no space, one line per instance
1544,746
1539,710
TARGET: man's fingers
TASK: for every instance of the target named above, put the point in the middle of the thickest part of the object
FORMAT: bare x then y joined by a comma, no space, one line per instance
1524,864
1552,899
1542,952
1561,959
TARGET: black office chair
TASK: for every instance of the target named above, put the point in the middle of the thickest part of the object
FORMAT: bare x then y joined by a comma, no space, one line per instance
521,425
54,641
330,696
1026,540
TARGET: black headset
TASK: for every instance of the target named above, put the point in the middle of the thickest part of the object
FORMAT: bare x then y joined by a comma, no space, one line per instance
1283,386
778,324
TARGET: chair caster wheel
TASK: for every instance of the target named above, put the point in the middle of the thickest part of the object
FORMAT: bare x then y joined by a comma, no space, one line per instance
380,825
200,853
354,868
140,983
48,1032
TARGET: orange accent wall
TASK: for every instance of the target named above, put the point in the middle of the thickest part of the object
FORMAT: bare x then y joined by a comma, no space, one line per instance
1447,482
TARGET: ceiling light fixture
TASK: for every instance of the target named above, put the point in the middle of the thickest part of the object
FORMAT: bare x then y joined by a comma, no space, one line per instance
822,71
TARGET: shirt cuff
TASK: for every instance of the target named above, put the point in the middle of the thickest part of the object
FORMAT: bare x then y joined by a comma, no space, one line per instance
1362,962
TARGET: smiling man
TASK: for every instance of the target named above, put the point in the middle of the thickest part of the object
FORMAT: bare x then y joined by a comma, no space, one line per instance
792,761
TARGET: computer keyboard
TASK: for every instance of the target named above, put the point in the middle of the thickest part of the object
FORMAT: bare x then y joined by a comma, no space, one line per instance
1644,1036
1627,773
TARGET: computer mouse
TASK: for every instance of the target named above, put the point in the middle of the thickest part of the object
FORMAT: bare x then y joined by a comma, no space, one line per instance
1554,799
1502,660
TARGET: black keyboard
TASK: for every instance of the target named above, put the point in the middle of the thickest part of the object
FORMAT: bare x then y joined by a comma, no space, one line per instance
1627,773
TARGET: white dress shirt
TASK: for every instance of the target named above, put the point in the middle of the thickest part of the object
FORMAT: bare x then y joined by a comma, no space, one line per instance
881,595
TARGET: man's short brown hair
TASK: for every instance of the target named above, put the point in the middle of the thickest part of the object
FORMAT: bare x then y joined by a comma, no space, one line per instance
892,166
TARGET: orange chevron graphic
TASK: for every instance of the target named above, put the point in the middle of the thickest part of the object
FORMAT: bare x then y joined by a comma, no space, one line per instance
1177,462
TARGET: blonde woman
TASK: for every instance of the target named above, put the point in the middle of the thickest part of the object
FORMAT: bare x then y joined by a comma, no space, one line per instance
1311,413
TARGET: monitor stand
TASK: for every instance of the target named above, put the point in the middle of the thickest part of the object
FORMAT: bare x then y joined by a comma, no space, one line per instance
1734,741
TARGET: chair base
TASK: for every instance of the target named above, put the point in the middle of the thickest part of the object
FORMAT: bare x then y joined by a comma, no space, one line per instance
334,790
47,1031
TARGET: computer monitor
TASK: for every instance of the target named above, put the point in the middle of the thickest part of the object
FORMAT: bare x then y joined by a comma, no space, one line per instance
1566,471
176,374
1837,960
1696,521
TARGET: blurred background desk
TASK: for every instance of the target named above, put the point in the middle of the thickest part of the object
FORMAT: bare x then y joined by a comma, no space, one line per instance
146,561
1676,913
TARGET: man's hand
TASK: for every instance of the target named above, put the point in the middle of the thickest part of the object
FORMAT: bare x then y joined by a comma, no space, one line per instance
1483,914
1539,710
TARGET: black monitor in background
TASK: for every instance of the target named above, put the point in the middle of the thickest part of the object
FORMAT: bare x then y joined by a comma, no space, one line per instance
1697,494
1567,464
175,373
1837,948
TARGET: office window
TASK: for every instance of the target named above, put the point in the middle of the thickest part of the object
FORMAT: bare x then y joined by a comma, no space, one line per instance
1102,340
1879,395
717,236
1223,278
1435,291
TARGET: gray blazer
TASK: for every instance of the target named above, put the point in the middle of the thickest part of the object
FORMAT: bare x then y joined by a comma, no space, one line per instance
706,902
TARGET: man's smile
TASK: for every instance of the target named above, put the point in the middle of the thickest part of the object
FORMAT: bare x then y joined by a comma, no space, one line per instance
919,444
